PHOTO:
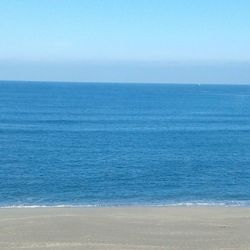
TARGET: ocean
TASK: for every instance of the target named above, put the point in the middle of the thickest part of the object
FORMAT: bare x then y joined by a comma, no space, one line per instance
90,144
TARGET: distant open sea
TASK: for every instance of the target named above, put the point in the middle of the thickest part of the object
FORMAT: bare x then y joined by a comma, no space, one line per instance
69,144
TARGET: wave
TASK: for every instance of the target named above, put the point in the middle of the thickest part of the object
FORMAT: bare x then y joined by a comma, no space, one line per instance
169,204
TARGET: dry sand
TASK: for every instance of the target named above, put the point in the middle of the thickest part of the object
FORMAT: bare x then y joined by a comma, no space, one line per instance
125,228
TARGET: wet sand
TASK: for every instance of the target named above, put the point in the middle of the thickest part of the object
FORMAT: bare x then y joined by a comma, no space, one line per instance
125,228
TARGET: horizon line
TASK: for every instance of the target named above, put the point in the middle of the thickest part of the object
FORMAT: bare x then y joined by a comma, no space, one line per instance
121,82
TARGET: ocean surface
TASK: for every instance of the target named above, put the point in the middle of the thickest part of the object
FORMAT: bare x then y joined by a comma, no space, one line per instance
70,144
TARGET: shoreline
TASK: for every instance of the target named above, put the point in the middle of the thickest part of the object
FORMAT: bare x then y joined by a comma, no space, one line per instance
123,228
170,205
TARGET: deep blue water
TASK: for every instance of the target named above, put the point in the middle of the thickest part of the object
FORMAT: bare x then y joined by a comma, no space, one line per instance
124,144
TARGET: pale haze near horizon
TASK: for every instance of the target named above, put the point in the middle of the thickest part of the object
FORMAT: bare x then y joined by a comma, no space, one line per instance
125,41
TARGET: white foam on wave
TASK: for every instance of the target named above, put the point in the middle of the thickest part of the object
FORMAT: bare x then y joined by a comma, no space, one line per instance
169,204
46,206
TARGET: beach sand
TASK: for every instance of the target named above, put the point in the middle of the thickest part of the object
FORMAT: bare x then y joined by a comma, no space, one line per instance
125,228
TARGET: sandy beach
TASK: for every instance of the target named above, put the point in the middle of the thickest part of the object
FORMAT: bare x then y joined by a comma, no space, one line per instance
125,228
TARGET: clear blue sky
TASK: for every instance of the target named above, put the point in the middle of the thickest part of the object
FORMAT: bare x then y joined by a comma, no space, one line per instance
125,40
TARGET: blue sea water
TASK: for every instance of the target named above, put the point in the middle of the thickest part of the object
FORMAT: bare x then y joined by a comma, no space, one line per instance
124,144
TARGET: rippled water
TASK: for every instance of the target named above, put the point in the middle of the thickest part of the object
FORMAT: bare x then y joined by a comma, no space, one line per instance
124,144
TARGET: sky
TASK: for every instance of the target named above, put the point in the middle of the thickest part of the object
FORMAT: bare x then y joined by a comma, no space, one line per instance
161,41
